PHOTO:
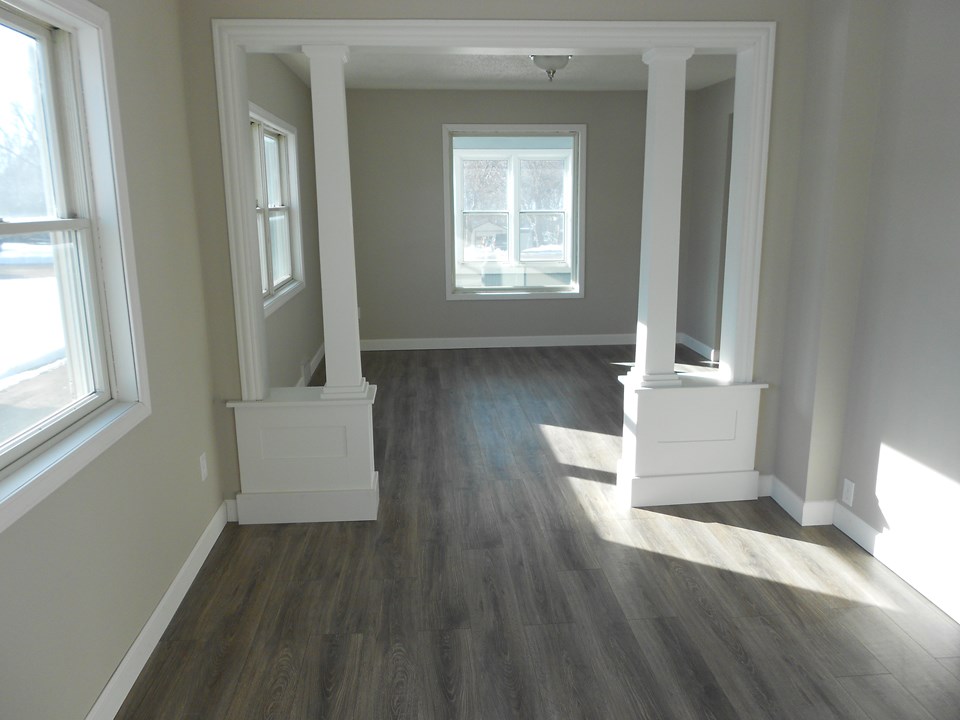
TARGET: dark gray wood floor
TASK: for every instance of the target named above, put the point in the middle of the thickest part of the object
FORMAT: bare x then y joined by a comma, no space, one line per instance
501,582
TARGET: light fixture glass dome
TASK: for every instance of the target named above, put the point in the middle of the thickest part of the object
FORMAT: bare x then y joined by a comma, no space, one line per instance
550,63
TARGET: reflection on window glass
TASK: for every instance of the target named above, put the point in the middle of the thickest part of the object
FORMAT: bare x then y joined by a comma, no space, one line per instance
541,184
25,175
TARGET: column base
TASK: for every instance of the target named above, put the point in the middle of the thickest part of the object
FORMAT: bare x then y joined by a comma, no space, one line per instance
655,490
689,444
309,507
306,455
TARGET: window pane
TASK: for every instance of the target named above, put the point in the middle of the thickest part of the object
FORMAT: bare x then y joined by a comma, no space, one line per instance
484,185
541,236
25,186
280,247
271,148
541,184
486,237
45,364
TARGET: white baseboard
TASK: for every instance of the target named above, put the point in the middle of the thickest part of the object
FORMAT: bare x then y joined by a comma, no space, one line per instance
698,347
814,512
231,505
127,672
497,342
855,528
300,507
903,555
686,489
314,364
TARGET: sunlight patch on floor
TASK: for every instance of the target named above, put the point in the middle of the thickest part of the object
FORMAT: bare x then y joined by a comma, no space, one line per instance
760,555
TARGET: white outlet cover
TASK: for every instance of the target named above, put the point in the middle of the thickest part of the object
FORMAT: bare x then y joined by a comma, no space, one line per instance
203,467
848,488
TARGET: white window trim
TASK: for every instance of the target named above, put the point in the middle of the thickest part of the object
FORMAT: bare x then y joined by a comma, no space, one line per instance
578,206
291,288
36,475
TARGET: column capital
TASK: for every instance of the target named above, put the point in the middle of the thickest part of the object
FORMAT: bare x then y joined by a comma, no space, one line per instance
327,52
667,53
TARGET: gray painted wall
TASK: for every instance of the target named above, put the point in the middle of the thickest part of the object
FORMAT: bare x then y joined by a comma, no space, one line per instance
396,166
904,385
705,174
295,330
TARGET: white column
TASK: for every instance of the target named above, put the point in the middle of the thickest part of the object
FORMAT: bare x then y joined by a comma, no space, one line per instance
660,226
338,270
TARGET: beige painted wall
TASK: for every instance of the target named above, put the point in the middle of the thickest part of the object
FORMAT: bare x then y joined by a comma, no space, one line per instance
295,331
705,174
83,571
845,96
904,390
397,173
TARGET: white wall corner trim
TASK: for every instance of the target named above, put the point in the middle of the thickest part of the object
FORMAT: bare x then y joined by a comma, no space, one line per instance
127,672
814,512
765,485
497,342
314,364
231,505
698,347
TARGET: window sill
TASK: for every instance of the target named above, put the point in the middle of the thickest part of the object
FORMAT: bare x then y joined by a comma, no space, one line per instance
287,293
509,294
33,478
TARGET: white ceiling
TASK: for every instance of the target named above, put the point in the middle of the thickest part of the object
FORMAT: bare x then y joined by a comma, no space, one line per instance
408,71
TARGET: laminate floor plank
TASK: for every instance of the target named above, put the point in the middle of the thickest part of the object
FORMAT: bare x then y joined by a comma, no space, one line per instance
952,664
883,698
478,518
502,579
448,676
534,572
679,668
566,677
266,683
331,680
506,686
934,687
610,646
443,600
803,685
390,651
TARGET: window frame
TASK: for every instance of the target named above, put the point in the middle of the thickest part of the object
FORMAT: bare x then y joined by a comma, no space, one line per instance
263,122
93,204
574,224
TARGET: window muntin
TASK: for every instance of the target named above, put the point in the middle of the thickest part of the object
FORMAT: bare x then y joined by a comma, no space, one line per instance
53,355
515,211
274,160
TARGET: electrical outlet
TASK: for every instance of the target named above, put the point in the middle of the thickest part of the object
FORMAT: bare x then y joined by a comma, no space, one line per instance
203,467
848,488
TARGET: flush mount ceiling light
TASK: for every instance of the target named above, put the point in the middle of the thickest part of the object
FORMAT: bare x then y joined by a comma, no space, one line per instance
551,63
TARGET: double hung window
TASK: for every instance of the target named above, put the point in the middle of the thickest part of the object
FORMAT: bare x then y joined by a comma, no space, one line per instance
70,334
278,230
514,210
51,365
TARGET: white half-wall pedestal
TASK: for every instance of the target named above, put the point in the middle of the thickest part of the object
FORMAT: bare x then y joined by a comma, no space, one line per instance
306,455
688,444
